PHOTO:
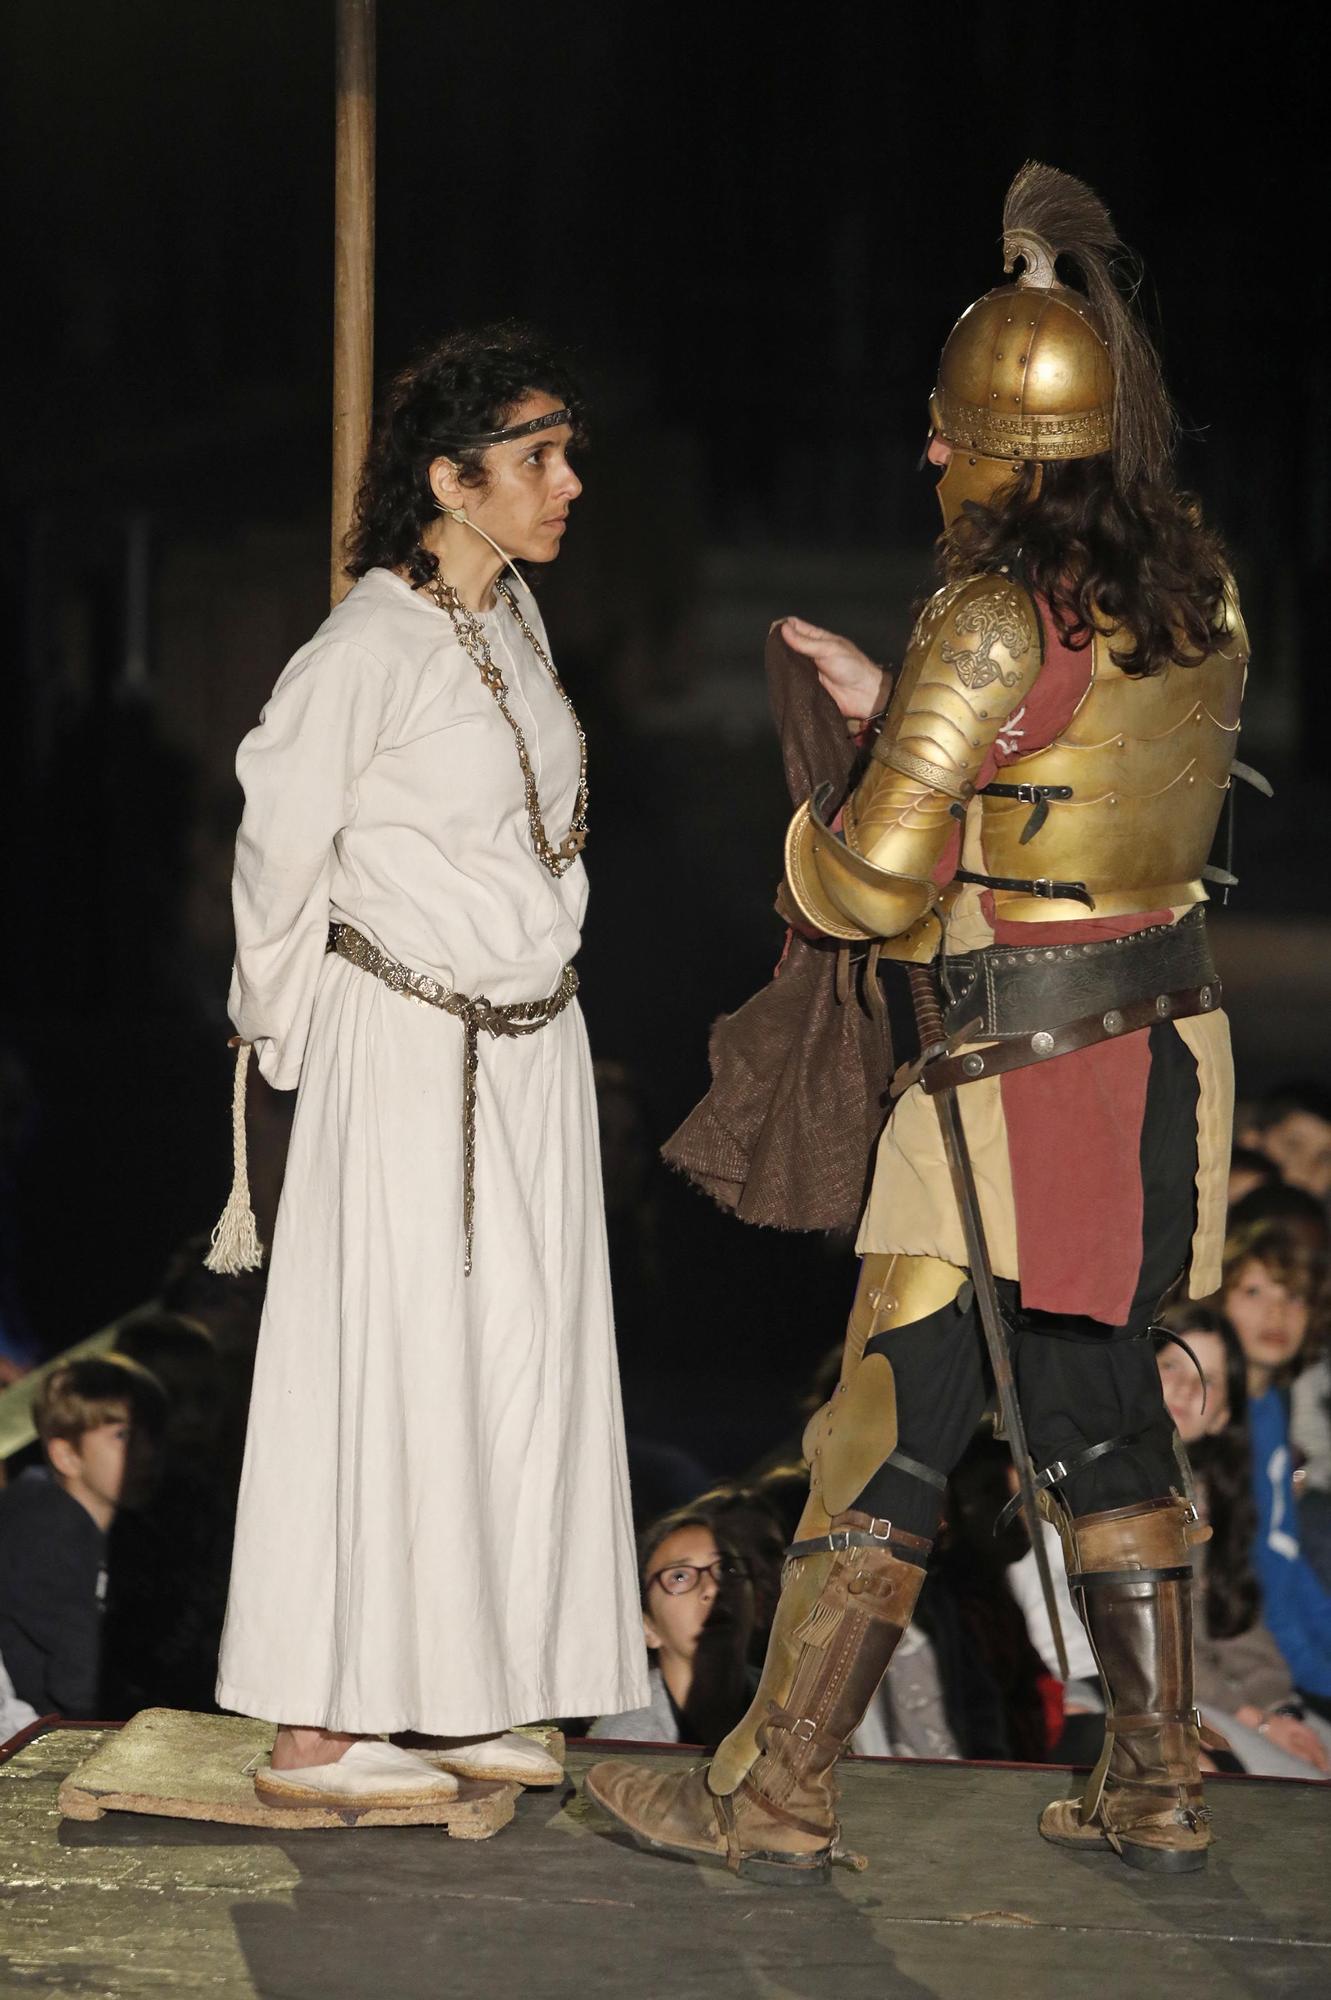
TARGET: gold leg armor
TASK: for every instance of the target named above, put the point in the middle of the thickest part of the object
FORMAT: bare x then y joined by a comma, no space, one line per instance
845,1443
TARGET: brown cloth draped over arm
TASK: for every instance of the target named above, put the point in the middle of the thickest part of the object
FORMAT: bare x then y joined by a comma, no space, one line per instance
785,1136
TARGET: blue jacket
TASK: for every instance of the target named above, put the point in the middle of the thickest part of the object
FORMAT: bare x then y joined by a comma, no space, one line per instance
1297,1606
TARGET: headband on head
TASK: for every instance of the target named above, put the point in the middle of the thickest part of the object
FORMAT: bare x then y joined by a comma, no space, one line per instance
486,438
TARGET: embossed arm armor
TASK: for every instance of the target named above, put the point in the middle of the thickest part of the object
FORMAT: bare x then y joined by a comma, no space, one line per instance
972,659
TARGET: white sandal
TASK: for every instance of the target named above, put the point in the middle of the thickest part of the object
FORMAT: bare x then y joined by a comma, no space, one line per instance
368,1773
509,1758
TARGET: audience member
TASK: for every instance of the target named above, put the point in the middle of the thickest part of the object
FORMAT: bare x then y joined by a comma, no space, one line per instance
1292,1126
1243,1684
169,1558
1305,1218
697,1618
1268,1291
94,1418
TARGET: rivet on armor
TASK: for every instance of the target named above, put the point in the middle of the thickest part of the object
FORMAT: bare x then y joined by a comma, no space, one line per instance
1042,1042
973,1065
1113,1021
1051,953
1069,951
1162,1005
1204,997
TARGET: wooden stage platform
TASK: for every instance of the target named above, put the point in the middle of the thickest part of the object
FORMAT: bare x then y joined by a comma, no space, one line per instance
961,1901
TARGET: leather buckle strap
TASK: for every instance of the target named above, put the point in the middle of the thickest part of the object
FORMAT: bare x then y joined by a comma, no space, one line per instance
1035,796
1104,1579
865,1531
1061,1469
916,1469
783,1813
1040,885
997,1059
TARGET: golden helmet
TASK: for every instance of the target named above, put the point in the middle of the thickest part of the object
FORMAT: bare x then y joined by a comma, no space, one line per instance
1038,371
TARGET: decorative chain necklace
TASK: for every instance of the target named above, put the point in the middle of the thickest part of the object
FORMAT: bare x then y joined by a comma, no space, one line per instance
471,637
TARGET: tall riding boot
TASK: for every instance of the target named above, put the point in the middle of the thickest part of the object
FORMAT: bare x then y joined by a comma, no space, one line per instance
779,1823
1131,1572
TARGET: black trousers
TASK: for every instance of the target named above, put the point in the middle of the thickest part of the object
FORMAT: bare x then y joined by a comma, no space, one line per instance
1079,1382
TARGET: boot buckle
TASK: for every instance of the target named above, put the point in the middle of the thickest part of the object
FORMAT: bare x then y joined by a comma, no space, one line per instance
805,1729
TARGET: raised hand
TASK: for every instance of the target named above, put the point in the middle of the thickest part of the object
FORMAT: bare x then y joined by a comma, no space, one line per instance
856,684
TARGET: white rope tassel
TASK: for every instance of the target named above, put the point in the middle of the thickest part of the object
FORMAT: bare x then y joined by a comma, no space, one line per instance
235,1241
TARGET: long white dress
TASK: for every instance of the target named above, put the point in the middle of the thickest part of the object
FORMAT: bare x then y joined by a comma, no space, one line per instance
434,1529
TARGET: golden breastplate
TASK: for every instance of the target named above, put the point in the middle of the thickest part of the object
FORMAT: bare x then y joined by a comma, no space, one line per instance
1147,764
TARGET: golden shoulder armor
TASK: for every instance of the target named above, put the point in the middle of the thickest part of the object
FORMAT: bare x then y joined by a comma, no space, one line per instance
974,653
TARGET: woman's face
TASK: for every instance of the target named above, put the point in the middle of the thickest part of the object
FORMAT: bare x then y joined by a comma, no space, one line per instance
531,486
673,1624
1182,1385
1270,1321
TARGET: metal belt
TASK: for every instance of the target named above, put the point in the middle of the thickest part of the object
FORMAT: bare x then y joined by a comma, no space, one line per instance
479,1016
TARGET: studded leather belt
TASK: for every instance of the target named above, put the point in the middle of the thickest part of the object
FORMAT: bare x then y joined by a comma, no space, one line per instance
1033,1003
1018,990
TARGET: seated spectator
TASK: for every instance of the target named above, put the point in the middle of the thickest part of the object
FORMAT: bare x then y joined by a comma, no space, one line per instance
697,1619
1305,1217
170,1557
747,1524
1243,1684
1292,1126
94,1418
1269,1289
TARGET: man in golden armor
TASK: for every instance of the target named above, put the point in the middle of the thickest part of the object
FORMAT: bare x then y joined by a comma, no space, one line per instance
1031,836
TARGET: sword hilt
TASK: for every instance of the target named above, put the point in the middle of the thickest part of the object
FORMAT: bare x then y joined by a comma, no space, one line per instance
928,1012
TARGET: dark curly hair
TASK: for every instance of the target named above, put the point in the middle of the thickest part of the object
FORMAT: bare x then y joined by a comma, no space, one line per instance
1222,1465
472,382
1134,558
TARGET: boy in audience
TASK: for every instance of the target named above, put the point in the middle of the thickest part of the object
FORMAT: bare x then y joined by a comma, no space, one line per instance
1293,1127
53,1530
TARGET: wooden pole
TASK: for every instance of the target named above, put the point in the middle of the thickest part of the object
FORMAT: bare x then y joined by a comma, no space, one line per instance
353,267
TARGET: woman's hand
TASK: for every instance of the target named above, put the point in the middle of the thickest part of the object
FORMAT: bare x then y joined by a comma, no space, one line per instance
858,687
1295,1737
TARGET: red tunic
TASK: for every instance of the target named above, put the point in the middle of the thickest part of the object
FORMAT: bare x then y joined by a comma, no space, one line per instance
1074,1124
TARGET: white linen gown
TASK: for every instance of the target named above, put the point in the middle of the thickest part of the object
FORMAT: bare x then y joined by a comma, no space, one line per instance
434,1529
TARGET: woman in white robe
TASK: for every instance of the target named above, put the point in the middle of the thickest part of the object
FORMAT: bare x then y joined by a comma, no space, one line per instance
434,1531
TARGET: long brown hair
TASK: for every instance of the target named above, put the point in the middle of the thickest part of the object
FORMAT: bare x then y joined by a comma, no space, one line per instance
1133,559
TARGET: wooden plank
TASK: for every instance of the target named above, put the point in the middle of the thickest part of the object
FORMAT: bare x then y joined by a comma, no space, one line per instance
172,1764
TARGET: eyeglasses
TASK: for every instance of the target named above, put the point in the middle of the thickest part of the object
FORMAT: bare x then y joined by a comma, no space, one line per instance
681,1578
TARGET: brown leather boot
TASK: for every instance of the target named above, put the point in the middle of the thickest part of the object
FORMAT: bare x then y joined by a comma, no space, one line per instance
779,1822
1132,1575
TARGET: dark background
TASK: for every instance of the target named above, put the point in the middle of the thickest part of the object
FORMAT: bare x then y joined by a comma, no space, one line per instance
755,226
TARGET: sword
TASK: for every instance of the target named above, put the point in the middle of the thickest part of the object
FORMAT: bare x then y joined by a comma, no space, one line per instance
929,1019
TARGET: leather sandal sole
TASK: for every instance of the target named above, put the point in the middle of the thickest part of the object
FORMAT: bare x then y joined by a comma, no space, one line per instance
306,1795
